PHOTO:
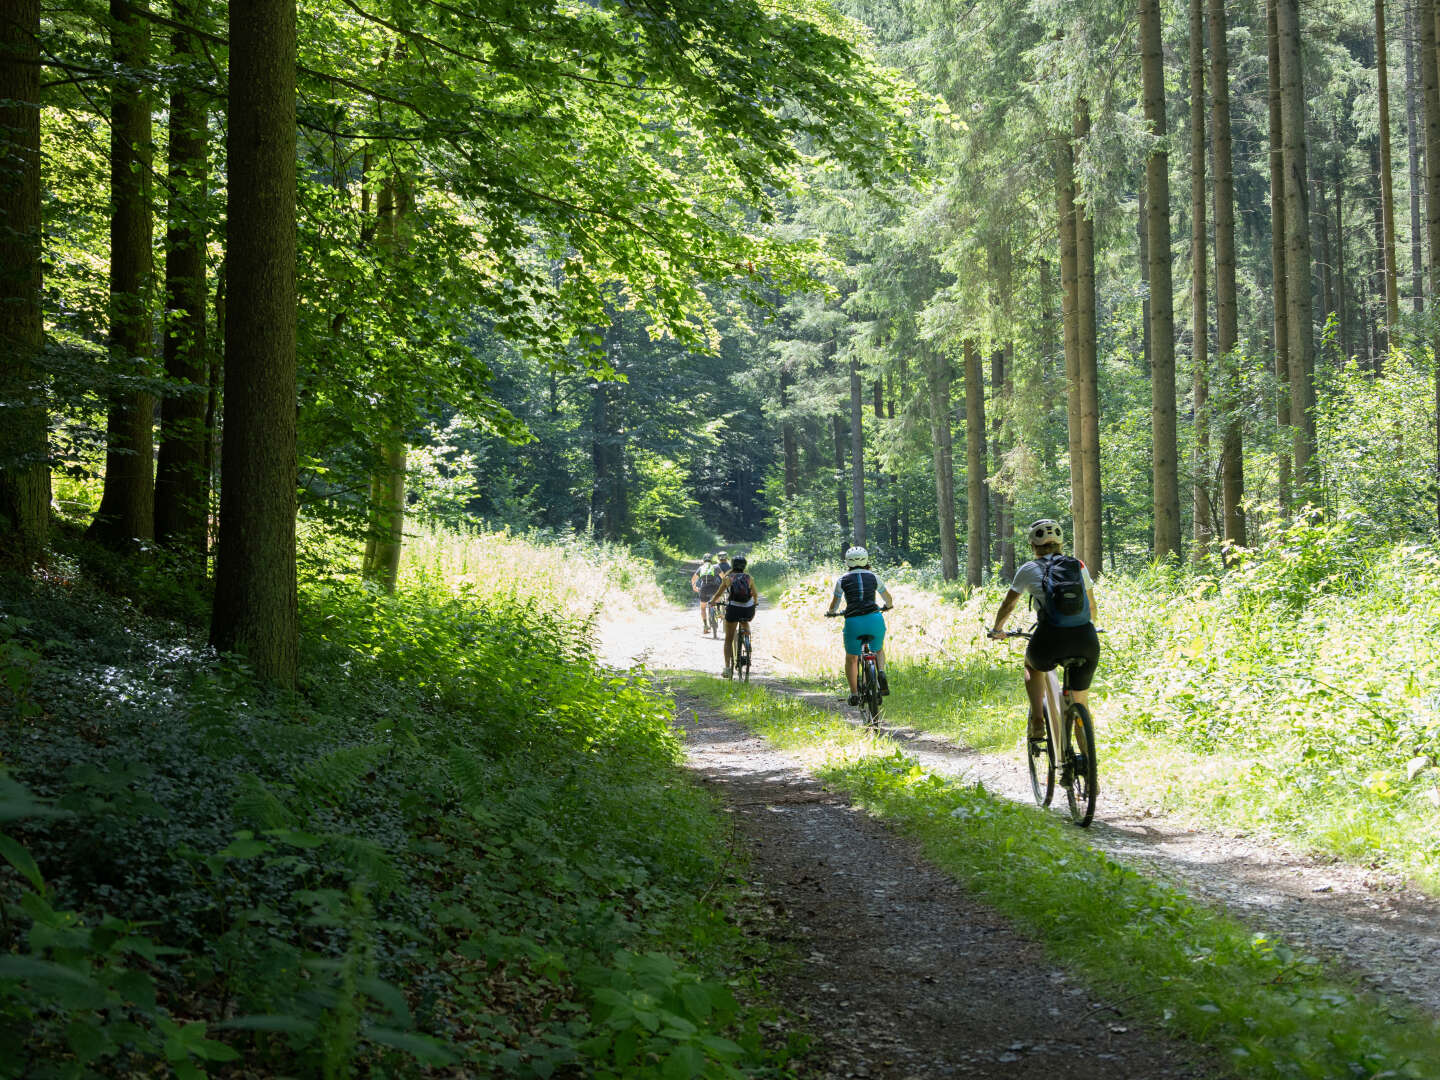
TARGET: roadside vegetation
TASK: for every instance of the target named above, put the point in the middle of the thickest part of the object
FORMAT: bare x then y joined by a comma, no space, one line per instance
1271,1012
458,843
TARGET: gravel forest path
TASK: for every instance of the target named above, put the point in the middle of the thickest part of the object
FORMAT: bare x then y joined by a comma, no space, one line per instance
908,977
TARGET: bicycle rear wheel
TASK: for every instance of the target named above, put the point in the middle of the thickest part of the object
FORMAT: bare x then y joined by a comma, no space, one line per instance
1040,757
742,654
870,695
1080,751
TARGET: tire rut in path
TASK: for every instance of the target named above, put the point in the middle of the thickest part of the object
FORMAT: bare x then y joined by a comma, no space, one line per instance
901,973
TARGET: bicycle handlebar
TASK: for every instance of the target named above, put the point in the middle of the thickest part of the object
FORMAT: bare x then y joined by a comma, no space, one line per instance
837,614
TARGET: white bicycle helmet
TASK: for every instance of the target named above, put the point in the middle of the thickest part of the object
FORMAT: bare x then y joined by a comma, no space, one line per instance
1045,531
856,556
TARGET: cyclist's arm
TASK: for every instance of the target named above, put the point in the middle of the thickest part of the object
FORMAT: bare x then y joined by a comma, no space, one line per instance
1006,607
835,600
885,595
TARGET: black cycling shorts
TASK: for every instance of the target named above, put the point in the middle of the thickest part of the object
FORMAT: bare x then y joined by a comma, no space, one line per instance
1051,644
734,613
706,592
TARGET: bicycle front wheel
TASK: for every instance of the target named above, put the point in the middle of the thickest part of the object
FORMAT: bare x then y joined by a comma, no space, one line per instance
1040,756
1080,751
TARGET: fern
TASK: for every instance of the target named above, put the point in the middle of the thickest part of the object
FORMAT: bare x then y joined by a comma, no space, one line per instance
259,807
331,777
367,859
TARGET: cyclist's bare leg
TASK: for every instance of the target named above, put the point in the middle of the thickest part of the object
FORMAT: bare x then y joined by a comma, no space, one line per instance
729,640
1035,691
880,660
852,672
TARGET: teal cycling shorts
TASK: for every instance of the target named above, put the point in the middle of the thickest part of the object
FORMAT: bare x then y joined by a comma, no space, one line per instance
855,625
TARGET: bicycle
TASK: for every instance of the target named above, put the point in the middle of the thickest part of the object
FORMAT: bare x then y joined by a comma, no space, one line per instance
712,619
1074,734
740,656
868,680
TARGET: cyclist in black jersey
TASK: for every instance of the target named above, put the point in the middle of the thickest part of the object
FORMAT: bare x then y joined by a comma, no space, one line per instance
858,587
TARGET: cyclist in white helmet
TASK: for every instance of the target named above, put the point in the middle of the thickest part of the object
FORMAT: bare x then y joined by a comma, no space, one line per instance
1052,640
858,587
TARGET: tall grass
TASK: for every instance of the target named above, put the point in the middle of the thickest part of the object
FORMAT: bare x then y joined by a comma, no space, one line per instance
573,572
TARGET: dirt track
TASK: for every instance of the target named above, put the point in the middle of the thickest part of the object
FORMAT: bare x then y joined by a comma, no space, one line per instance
899,957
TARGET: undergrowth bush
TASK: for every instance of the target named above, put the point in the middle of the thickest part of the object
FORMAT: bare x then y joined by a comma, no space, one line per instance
460,844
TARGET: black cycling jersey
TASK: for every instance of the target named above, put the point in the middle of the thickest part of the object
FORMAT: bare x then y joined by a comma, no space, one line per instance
859,587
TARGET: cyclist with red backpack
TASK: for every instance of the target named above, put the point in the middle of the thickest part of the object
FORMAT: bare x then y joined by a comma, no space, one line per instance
1063,596
737,589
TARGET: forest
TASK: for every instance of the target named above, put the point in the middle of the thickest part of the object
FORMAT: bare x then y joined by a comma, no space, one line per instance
373,373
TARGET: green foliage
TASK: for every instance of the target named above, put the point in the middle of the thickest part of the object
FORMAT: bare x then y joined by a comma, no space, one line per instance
461,843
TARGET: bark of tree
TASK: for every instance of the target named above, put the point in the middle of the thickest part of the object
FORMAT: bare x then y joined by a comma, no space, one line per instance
1087,368
1142,242
1004,380
837,430
1280,282
1387,191
1227,322
1342,291
1162,314
255,593
1430,83
127,506
182,489
386,532
938,373
1297,246
977,507
1413,137
857,450
896,494
24,453
1199,288
1070,328
787,437
1381,324
999,503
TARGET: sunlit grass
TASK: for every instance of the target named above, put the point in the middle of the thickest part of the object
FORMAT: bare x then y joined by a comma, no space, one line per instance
1267,1011
574,573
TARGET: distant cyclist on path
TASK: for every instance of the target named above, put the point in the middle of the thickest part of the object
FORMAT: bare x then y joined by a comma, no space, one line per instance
858,587
737,589
704,582
1056,637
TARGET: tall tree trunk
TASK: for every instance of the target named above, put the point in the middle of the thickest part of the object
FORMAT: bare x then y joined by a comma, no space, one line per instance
787,436
894,482
182,489
1326,266
1087,388
938,372
1387,190
1142,237
1070,327
1280,284
1227,322
1413,137
1383,283
1342,291
837,430
24,453
857,450
1162,313
977,511
1425,14
1297,247
1199,286
255,602
1049,349
1006,382
999,503
127,506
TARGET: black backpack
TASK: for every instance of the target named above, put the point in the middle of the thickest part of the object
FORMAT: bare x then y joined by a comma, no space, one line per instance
741,591
1062,586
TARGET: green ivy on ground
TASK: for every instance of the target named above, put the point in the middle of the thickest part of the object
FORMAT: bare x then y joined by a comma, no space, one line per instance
460,844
